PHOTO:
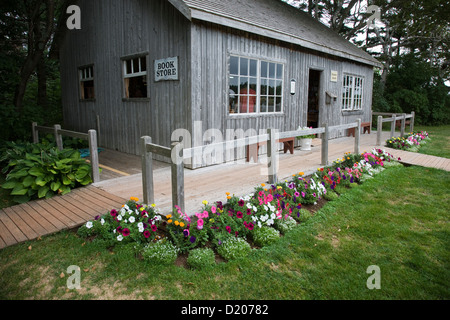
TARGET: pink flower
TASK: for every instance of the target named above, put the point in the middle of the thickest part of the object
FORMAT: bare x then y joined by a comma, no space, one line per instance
200,224
239,215
126,232
147,234
213,209
154,228
228,229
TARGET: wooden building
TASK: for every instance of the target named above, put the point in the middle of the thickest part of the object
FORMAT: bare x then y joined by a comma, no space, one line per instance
211,67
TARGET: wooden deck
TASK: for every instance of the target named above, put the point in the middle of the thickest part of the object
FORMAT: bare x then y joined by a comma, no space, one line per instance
35,219
122,180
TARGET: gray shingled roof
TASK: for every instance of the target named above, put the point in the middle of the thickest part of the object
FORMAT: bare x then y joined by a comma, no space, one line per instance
274,19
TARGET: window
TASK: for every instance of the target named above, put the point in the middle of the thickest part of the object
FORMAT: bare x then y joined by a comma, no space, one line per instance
256,86
352,94
87,83
135,77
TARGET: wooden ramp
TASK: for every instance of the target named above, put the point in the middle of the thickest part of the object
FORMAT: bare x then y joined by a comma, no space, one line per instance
418,159
34,219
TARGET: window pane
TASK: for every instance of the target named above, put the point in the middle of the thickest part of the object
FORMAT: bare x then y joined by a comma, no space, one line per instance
253,85
234,85
136,66
264,84
243,85
271,87
253,68
272,70
264,69
136,87
244,67
128,68
263,104
143,64
233,107
279,88
279,71
271,104
234,65
278,106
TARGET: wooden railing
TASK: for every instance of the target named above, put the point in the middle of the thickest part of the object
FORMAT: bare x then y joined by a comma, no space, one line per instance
177,155
91,137
394,117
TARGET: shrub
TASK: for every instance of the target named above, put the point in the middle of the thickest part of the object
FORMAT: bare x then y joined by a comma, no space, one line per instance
160,252
331,196
201,258
35,171
232,248
265,236
285,225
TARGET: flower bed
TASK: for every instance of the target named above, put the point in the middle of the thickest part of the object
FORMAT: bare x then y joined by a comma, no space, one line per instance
236,227
410,142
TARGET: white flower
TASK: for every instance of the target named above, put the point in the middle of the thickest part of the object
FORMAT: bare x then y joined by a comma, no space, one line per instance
102,221
119,217
255,209
259,224
270,222
132,219
140,225
249,205
89,224
119,237
141,229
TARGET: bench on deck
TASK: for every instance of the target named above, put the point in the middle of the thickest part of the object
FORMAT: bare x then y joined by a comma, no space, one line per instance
364,125
252,151
398,123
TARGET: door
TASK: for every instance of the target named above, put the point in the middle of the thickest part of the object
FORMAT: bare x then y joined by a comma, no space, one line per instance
313,98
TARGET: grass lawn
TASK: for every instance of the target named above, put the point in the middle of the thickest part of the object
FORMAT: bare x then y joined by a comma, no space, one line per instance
439,144
397,221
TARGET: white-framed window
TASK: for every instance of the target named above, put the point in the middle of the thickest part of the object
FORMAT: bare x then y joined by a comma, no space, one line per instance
255,86
352,94
135,77
86,76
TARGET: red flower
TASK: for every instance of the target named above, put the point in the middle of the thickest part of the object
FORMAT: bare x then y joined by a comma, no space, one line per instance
154,227
146,234
239,215
126,232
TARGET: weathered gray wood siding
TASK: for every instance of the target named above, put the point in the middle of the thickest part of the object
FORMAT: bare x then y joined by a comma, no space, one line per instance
111,30
211,49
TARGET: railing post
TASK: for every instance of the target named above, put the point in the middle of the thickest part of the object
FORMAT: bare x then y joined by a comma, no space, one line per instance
177,169
394,120
325,136
413,114
379,129
402,128
147,171
357,136
35,132
272,155
93,149
58,136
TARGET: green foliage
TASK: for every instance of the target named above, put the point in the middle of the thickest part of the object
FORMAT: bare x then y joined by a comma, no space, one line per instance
201,257
160,252
232,247
285,225
265,236
37,171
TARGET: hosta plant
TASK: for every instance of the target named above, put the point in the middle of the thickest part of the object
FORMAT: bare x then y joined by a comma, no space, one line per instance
36,171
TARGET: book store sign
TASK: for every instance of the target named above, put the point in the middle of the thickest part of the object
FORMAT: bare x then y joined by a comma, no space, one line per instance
166,69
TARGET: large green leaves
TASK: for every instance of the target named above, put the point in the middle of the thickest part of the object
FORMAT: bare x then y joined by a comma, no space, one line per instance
36,171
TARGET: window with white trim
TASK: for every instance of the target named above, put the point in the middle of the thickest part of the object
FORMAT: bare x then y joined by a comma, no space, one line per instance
255,86
86,75
352,94
135,77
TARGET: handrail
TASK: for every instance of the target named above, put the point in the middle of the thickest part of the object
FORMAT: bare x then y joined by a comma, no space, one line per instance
91,137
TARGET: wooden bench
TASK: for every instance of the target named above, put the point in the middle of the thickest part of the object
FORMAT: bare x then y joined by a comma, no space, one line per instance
364,125
253,150
398,123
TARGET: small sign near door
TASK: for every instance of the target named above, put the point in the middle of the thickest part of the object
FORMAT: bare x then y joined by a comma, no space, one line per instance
334,76
166,69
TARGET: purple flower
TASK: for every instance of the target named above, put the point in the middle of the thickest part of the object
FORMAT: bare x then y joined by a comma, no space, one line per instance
192,239
297,194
